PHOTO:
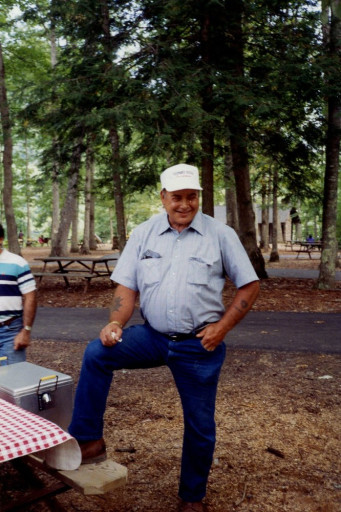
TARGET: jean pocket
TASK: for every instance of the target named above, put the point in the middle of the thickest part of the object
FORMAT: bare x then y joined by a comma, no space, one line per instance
16,325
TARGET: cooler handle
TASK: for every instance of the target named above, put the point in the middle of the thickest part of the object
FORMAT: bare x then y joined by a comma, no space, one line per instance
46,398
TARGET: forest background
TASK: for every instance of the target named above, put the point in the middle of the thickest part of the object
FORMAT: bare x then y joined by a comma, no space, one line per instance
97,97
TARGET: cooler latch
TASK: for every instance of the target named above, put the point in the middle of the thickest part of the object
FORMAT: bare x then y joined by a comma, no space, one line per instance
46,398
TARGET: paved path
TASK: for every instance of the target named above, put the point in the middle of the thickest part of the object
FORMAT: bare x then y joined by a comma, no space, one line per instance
307,332
300,273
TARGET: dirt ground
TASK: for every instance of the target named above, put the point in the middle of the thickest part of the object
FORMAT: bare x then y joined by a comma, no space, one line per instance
278,417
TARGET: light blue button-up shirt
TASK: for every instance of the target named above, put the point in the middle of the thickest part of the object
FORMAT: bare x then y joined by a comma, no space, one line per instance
181,276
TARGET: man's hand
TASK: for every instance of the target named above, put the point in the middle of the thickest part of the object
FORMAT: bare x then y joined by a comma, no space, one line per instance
111,335
121,310
22,339
211,336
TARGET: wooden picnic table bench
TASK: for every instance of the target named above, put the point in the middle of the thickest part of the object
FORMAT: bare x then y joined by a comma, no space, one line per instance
89,480
308,248
85,267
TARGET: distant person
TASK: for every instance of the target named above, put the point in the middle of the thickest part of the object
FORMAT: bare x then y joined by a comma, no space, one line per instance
310,238
18,304
177,262
43,240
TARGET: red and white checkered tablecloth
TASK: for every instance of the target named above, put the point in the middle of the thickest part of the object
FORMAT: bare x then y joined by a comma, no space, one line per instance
23,433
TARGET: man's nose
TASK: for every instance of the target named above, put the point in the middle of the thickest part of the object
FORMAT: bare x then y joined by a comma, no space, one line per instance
185,203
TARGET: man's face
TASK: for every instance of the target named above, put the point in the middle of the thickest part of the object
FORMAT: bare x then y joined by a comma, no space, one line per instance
181,206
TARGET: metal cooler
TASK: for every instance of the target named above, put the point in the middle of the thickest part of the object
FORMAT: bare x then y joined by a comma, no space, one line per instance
40,390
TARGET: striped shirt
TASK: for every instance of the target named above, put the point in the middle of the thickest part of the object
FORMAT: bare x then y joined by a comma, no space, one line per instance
181,276
16,279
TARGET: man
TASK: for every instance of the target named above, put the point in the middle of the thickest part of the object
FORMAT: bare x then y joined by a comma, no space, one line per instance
177,261
18,304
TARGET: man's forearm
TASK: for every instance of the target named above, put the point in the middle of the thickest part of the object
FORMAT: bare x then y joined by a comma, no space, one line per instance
22,339
123,305
29,307
241,304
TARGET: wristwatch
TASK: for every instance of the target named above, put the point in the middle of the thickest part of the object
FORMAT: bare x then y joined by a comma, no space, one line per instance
28,328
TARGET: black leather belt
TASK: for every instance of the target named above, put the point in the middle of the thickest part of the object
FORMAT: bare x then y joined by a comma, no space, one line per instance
9,321
181,336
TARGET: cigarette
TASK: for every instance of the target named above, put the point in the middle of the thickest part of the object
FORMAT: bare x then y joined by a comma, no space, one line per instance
114,336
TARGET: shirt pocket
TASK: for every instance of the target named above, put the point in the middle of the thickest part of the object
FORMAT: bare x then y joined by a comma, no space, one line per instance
199,270
149,271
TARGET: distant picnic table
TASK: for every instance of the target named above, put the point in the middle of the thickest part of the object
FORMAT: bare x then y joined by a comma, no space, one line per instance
86,267
308,248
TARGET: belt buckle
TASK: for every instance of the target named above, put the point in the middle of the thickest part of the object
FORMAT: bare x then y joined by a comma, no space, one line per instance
173,337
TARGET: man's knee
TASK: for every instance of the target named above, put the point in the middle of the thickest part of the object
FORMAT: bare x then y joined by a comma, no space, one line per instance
94,352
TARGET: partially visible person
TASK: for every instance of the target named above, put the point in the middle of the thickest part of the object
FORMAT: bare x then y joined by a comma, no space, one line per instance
310,238
18,304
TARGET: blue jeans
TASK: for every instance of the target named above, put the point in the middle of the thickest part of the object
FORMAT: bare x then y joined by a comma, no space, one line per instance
196,373
7,335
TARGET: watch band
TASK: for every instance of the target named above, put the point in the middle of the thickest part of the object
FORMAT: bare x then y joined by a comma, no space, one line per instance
28,328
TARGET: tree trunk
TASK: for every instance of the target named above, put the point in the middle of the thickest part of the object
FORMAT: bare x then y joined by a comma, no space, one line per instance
332,40
111,224
85,248
28,192
274,256
55,199
246,216
207,136
12,230
326,279
264,242
238,136
207,144
59,245
55,171
113,133
74,225
230,193
2,212
118,196
93,241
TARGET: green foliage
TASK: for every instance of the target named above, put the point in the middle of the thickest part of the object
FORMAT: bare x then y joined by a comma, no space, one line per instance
166,77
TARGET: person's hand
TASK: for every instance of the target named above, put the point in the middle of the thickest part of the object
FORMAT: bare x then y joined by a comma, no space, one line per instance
110,335
22,340
211,336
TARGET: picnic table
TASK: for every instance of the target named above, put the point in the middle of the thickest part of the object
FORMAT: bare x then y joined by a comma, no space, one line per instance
308,248
28,440
86,267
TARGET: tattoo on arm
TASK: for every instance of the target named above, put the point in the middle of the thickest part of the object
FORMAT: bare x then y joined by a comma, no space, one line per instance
244,305
117,304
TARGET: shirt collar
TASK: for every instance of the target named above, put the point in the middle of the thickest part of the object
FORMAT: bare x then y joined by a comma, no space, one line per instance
196,224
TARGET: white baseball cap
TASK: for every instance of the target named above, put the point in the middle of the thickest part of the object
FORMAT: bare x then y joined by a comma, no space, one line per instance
180,177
